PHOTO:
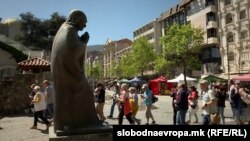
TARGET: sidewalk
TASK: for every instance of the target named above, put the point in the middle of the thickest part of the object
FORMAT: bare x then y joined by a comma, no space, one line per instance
16,128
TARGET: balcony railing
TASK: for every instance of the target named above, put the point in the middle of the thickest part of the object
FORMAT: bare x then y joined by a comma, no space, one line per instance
212,24
212,40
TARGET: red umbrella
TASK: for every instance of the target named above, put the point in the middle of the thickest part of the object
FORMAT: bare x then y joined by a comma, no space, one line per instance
245,77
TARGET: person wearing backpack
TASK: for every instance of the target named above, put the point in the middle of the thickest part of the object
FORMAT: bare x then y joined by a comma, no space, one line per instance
147,96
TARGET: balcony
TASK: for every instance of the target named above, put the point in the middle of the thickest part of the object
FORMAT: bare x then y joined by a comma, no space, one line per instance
212,24
211,8
212,40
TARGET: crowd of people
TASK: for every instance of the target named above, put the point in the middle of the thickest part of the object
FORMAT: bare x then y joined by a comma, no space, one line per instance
126,98
185,103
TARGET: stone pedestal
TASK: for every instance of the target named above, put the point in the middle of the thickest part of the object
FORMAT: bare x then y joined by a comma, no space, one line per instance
98,136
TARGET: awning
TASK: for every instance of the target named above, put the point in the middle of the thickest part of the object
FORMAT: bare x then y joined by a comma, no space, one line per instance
180,78
245,77
34,64
212,78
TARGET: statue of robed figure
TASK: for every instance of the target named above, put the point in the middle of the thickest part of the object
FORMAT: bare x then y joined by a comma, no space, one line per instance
74,102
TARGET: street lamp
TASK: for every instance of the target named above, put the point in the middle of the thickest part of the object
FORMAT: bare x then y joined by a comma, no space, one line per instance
228,66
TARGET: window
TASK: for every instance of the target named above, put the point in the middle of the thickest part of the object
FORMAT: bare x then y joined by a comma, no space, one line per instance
166,23
212,32
182,19
206,54
188,10
210,2
245,56
215,52
173,19
229,18
231,56
242,14
230,37
227,2
211,16
247,47
243,34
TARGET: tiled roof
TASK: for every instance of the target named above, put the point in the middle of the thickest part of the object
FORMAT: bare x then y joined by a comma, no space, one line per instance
125,41
34,64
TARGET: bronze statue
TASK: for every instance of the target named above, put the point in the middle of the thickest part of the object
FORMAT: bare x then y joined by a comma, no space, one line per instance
74,106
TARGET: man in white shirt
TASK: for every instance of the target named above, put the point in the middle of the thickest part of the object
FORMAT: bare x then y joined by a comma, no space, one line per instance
208,102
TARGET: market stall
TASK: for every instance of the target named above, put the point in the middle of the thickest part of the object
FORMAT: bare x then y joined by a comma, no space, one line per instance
160,86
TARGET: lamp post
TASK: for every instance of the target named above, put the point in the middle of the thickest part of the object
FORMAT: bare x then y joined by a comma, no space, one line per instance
228,66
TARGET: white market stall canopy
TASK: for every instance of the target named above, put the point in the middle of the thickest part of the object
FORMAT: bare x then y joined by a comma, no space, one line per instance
180,78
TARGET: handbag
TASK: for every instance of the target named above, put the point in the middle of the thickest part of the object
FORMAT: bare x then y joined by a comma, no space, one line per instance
154,98
215,119
193,104
246,98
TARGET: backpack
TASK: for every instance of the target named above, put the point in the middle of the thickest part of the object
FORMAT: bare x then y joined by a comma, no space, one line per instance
154,98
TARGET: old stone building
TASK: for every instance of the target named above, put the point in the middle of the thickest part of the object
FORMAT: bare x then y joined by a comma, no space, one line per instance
113,51
234,35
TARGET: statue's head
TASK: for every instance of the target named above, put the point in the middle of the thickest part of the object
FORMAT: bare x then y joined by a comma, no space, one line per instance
77,18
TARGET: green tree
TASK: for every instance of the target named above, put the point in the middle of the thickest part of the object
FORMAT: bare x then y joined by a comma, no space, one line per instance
51,27
115,69
95,71
37,32
31,27
143,55
182,45
128,65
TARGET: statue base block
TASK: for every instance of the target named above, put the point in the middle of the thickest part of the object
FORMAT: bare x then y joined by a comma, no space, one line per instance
107,135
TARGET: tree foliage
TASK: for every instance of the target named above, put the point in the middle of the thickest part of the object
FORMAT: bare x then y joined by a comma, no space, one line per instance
37,32
182,45
143,55
124,67
95,71
17,54
140,59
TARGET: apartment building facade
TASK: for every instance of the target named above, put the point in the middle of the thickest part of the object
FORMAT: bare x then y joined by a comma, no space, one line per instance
234,33
203,14
175,15
113,51
152,31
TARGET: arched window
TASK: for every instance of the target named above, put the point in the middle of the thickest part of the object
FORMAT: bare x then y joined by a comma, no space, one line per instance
227,2
230,37
243,34
229,18
231,56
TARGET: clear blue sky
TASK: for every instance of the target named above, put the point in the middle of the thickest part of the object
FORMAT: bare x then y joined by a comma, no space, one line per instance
113,19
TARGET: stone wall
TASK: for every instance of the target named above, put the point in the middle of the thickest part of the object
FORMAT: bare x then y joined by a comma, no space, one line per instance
14,95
